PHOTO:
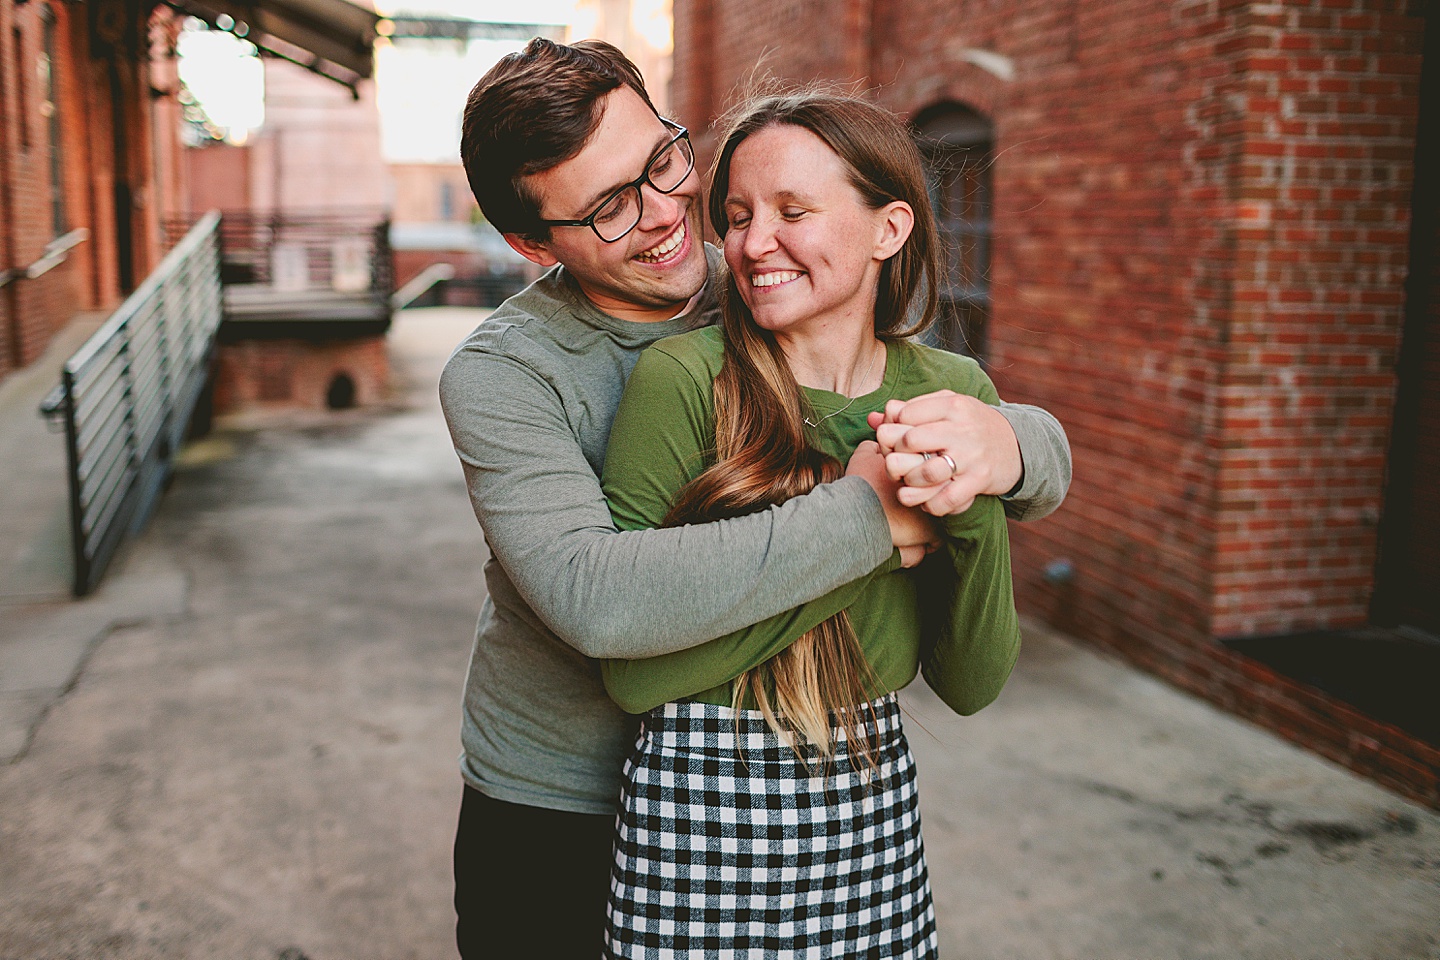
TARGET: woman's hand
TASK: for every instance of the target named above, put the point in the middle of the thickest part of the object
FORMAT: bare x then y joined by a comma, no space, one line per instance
912,531
972,451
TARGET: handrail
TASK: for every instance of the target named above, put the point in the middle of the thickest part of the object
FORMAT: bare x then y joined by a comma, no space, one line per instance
128,393
186,248
423,281
54,254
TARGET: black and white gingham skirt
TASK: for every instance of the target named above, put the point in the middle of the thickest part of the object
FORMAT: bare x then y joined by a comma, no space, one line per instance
715,858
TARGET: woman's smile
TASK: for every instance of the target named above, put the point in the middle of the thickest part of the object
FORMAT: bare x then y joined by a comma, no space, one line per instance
774,278
800,238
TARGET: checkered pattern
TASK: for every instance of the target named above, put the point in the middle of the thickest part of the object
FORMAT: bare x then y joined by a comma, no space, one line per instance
719,858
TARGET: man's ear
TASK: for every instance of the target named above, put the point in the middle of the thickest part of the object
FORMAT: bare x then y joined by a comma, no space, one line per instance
535,251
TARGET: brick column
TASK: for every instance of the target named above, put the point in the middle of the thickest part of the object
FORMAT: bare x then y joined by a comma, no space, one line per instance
1317,107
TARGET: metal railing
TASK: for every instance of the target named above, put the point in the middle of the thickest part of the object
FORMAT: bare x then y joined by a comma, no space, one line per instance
54,254
297,251
421,285
127,396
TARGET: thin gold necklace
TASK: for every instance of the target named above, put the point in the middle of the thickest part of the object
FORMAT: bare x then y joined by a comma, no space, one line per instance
863,377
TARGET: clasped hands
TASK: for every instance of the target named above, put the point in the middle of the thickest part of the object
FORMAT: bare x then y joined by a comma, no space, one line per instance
914,488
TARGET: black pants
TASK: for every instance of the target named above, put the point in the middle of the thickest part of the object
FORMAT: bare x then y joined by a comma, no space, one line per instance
530,882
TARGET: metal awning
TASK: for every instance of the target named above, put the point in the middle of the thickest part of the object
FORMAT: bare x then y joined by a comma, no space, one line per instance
333,38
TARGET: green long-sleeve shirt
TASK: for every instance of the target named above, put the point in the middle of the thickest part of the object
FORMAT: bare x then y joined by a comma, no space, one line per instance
952,618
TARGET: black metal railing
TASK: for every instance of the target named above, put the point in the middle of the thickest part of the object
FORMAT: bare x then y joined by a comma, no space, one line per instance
128,393
304,265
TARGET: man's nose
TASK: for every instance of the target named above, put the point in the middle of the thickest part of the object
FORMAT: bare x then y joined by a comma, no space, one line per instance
657,209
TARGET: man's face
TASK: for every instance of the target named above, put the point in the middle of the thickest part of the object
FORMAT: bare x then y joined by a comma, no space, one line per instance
649,273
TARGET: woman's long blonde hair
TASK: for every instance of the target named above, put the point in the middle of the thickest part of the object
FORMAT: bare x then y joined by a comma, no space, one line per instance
762,454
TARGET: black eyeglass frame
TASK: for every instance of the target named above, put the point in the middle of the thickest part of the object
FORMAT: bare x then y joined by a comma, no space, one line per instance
638,183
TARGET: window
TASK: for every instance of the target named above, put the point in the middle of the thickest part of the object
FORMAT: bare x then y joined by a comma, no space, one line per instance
49,98
22,87
958,146
447,200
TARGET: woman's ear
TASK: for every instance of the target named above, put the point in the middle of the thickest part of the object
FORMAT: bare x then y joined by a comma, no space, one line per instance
894,221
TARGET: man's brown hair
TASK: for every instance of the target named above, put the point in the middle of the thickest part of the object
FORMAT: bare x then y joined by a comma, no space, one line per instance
532,111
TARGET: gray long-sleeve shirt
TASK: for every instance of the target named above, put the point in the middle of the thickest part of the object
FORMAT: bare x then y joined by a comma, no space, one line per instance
529,398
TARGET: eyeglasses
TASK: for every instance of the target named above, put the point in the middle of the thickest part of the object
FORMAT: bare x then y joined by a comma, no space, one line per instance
621,211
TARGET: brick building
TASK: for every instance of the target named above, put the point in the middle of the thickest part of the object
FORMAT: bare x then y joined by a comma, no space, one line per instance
1183,226
89,140
92,169
311,174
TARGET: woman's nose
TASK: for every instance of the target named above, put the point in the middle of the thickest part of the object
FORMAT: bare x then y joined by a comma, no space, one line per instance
759,238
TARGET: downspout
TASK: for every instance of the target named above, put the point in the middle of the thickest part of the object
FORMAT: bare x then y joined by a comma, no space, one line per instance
15,340
124,202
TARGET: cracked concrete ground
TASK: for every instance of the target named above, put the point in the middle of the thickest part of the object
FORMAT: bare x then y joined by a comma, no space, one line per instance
244,746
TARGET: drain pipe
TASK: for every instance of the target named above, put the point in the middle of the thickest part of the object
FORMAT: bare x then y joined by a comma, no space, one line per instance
9,272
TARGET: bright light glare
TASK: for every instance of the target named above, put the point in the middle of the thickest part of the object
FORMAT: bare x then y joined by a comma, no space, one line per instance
652,21
226,76
421,88
497,11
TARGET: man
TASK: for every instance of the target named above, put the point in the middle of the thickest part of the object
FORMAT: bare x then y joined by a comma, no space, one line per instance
569,160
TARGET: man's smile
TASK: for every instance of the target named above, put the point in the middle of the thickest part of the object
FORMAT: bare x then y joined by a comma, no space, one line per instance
665,248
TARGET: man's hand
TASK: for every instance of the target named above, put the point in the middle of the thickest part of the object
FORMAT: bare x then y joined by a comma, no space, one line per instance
910,530
973,435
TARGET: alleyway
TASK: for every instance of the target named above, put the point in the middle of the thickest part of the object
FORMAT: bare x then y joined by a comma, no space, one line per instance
250,751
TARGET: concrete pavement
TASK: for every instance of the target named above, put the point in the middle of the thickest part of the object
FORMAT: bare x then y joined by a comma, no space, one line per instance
244,745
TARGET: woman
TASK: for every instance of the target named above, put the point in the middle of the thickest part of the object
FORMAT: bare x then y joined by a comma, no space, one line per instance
770,805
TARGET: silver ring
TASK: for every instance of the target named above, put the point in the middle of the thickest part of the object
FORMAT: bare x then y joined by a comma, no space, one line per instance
946,458
926,456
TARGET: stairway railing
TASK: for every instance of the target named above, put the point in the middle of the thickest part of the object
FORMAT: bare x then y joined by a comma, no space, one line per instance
127,396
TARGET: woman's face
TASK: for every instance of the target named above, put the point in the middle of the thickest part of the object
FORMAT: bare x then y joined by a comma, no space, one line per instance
804,248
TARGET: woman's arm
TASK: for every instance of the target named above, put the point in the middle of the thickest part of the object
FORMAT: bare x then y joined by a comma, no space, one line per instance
663,437
971,635
972,631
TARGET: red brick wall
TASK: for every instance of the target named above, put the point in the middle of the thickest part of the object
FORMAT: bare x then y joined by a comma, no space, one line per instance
1320,223
1200,234
1200,211
410,263
1090,259
219,178
169,171
721,45
415,192
1091,315
296,374
33,310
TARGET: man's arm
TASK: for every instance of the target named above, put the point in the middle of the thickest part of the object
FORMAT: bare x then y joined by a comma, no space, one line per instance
646,592
1044,462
